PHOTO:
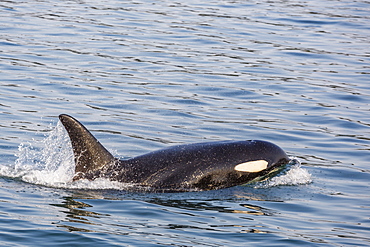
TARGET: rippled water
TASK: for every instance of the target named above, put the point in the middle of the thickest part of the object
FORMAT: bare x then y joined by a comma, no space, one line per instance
145,75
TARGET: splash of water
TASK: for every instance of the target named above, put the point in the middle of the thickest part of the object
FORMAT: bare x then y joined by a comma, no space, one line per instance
50,162
47,162
294,174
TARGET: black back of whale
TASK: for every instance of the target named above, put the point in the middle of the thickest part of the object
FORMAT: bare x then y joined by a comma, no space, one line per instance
204,166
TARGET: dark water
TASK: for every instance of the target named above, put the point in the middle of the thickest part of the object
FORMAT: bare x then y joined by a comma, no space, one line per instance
144,75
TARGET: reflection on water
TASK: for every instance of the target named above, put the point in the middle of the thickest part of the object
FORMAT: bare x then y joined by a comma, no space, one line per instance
76,213
81,216
253,210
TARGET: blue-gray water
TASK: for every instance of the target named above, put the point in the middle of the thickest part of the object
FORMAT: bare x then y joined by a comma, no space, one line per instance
143,75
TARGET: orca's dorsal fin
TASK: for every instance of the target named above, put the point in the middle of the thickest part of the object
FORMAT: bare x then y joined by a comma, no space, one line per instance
89,154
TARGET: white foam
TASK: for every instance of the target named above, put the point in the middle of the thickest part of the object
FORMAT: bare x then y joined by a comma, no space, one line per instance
293,175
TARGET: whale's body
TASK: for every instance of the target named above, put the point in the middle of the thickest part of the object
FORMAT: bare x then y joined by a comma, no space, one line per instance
199,166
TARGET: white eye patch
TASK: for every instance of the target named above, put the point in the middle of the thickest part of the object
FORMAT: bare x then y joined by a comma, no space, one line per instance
252,166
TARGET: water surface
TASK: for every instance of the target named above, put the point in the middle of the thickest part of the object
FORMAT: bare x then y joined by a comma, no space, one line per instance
145,75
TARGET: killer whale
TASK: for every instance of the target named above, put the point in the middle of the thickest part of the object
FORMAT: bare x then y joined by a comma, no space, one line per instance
199,166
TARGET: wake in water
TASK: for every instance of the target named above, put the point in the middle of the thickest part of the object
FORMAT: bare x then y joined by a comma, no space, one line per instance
50,162
293,174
